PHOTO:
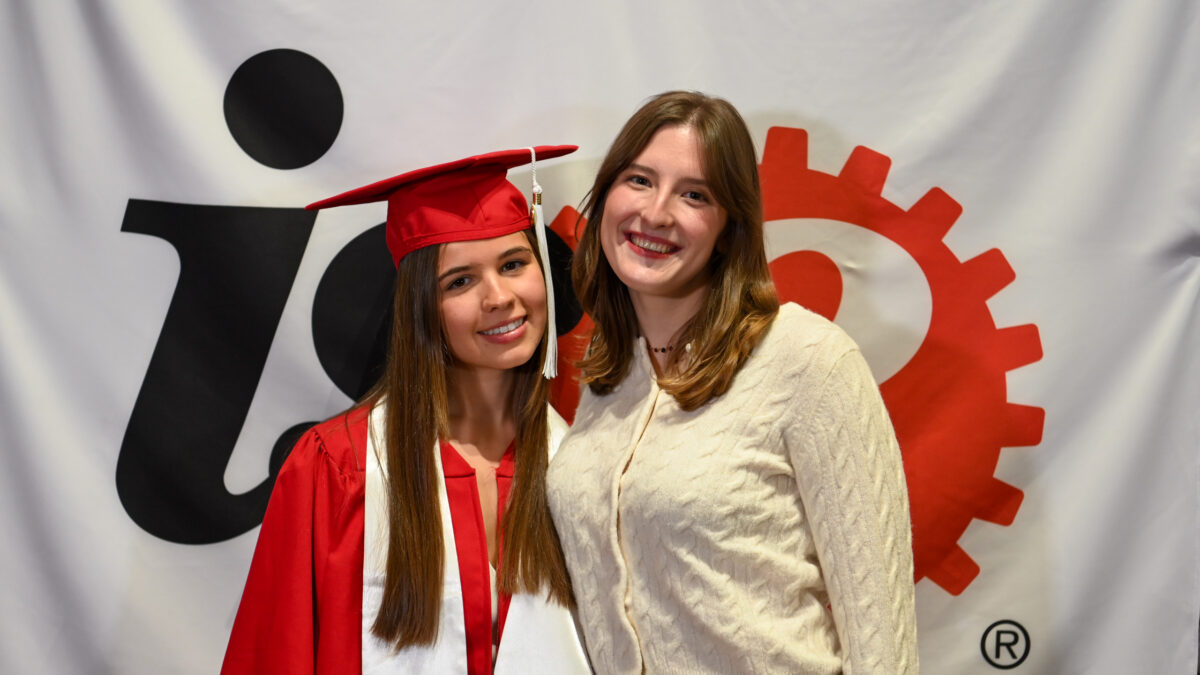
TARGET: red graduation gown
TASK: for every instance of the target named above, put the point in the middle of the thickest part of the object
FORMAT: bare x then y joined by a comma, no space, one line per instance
301,611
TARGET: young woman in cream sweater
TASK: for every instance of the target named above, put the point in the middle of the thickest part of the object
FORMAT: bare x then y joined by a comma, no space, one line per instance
731,496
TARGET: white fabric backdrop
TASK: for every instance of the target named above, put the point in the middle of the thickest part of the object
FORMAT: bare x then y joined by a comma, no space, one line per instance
1067,131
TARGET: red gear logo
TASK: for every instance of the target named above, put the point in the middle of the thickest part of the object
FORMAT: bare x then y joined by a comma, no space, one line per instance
949,401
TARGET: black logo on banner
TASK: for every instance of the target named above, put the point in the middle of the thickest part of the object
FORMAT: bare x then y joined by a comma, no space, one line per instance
237,267
237,264
284,108
236,270
1005,644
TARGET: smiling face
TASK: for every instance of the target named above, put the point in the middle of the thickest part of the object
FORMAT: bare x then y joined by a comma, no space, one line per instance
661,223
493,301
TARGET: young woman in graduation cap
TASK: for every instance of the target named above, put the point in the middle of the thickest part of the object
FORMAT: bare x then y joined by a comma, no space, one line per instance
412,533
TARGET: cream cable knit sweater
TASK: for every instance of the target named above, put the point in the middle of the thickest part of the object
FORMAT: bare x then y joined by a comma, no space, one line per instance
716,540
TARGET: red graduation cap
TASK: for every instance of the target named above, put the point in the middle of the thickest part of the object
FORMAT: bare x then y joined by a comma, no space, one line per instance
470,198
460,201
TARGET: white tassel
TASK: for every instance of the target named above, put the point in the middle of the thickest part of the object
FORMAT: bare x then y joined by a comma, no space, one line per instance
550,369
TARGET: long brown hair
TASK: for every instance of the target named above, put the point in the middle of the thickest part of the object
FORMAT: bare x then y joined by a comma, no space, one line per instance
414,390
741,300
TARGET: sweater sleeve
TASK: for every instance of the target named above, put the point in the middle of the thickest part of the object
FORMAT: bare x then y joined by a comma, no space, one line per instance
848,467
278,627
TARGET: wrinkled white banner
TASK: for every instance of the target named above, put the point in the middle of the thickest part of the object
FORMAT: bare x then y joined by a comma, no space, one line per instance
1001,203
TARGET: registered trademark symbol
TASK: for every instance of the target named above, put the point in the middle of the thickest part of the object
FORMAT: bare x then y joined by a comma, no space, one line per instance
1005,644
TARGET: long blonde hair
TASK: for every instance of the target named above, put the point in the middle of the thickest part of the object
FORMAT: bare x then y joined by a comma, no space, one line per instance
741,301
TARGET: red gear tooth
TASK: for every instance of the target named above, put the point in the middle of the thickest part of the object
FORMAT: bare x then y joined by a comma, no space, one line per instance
949,402
987,273
937,212
787,149
564,226
1003,502
955,572
1016,346
1025,425
867,169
